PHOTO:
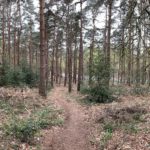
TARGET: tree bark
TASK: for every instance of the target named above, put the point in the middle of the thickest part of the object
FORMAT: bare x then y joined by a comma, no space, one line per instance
80,69
110,3
42,85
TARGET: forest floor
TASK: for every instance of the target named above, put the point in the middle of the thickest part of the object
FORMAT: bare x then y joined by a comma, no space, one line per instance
121,125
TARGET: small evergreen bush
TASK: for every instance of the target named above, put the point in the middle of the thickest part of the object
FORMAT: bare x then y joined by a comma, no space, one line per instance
21,75
99,90
100,94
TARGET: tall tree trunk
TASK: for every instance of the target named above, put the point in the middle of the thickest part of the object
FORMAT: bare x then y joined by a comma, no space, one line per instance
69,51
42,85
92,51
105,34
57,59
60,67
80,69
109,39
69,65
129,57
132,63
75,62
3,35
15,45
138,63
144,61
122,52
19,32
9,32
66,69
46,55
53,56
66,58
114,69
129,44
30,48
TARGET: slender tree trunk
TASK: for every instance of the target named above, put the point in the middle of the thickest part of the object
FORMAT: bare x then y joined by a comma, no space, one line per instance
122,52
53,56
114,69
138,63
69,51
144,61
80,69
66,70
109,39
66,59
75,63
47,54
149,68
9,32
42,85
57,59
60,67
52,67
132,63
19,33
30,48
92,51
69,65
129,44
15,45
3,35
129,57
105,35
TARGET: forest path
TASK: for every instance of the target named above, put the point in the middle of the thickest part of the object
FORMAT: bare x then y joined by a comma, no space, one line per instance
75,133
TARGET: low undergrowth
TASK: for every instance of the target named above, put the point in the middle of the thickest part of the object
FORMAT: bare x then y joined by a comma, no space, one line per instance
24,115
123,119
98,94
26,129
140,91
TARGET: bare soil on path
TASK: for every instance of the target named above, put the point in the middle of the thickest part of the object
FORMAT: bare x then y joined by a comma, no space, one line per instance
74,135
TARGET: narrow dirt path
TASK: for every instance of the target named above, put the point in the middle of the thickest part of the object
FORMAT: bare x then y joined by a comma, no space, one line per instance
75,133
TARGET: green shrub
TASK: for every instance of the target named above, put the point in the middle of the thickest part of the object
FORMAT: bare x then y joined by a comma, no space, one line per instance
101,94
85,89
99,90
98,94
26,129
21,75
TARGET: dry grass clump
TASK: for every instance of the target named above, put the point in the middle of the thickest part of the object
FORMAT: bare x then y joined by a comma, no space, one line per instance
122,115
